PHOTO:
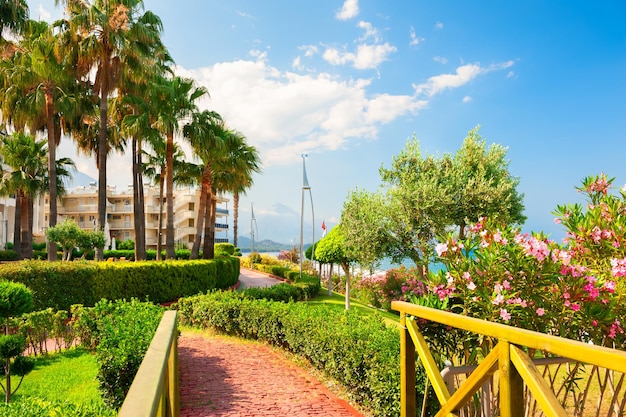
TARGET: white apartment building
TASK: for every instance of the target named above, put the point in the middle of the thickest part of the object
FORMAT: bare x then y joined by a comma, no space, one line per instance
81,205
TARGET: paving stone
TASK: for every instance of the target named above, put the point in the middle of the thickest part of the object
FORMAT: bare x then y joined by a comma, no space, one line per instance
221,377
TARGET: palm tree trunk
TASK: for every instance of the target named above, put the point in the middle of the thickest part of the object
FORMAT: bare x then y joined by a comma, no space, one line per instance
26,231
138,203
204,192
17,225
206,254
160,225
235,217
211,238
52,172
102,163
169,182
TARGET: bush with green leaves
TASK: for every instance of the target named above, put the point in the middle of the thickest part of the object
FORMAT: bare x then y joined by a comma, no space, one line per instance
36,407
61,284
359,351
121,332
69,236
15,300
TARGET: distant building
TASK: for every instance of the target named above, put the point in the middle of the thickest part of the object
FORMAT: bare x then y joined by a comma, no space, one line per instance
81,205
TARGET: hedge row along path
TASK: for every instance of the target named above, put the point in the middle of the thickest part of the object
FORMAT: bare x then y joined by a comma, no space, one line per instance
223,376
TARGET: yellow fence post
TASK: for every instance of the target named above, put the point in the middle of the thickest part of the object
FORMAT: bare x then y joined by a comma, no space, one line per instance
511,385
407,371
174,394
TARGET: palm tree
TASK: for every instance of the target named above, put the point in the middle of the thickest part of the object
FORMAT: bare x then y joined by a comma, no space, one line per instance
245,163
13,16
103,33
136,112
155,168
28,178
176,102
206,134
38,79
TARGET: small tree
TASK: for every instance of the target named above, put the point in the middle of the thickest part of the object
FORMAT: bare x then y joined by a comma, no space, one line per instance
15,300
332,249
69,235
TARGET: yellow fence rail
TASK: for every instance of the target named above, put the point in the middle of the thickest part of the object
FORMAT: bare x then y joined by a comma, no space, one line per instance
516,369
154,391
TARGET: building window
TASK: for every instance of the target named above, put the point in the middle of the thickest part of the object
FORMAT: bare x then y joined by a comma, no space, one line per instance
191,223
191,206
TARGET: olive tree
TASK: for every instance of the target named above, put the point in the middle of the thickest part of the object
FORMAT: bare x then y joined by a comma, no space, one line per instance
424,196
15,300
69,236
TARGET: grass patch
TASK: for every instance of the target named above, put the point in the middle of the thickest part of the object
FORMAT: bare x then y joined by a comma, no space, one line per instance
69,376
338,302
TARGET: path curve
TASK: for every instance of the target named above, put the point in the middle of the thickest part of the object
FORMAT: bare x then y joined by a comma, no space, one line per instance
223,376
250,278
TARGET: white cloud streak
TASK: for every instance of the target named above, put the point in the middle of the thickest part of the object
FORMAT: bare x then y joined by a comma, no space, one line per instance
349,10
463,75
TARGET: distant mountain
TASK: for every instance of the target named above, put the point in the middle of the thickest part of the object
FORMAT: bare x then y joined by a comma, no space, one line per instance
265,245
279,224
79,179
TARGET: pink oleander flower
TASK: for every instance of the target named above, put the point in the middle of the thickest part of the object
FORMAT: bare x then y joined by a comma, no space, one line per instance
497,237
540,311
575,306
506,285
505,315
471,286
557,220
467,276
609,286
498,300
441,249
618,267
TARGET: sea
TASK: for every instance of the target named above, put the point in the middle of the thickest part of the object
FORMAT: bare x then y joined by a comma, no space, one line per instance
385,265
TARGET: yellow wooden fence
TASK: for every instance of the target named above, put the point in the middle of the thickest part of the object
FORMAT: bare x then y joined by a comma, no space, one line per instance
154,391
508,357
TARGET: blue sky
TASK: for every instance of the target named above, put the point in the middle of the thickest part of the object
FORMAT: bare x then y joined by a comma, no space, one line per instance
348,82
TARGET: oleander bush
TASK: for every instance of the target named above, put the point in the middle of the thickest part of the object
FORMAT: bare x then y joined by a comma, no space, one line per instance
359,351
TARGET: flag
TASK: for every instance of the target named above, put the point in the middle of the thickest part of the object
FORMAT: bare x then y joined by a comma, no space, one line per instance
323,228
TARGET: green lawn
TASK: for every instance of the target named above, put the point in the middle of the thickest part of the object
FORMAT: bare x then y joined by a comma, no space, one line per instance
338,301
68,376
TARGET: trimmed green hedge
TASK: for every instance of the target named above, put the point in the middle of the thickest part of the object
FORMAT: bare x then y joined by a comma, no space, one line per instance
61,284
359,351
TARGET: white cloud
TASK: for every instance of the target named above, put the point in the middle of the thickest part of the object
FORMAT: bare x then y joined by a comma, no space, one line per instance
439,25
349,10
440,59
415,40
467,99
309,50
464,74
370,31
365,57
43,14
285,114
244,14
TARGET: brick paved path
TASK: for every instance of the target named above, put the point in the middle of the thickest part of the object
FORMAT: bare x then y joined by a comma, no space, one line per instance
225,377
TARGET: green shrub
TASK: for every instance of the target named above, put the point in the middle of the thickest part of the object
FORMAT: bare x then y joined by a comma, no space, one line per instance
281,292
123,330
61,284
8,255
225,247
359,351
35,407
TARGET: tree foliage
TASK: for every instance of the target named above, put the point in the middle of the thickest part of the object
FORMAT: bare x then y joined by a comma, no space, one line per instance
424,196
15,300
69,236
